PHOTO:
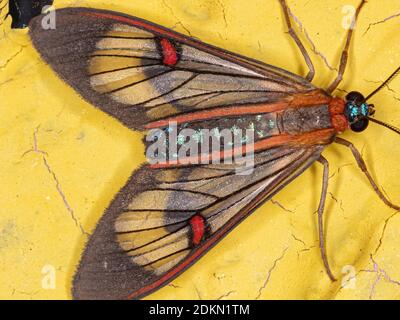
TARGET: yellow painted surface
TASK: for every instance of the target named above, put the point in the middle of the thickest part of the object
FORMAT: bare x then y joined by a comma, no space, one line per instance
62,161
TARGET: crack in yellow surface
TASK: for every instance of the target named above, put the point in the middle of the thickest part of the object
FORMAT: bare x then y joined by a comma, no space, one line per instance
274,265
44,155
382,21
381,274
313,46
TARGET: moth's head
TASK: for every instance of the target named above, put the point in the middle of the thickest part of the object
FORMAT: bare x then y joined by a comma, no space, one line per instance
357,111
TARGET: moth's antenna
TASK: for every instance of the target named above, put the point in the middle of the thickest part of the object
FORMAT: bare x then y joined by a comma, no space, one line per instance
385,83
386,125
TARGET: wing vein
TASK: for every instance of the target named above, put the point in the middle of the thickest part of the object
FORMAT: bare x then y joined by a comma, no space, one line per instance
137,82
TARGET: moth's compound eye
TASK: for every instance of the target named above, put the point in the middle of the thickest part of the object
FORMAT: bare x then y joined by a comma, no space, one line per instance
359,125
355,97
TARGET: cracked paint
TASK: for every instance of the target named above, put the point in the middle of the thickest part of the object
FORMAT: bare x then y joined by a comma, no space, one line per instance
309,39
222,5
340,202
57,191
388,87
382,21
225,295
4,65
299,240
381,275
264,285
176,18
383,232
44,155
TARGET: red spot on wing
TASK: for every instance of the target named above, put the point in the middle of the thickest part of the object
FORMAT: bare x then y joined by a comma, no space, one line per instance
169,52
198,228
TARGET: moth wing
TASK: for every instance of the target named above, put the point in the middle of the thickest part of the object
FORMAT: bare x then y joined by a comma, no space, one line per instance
162,221
139,72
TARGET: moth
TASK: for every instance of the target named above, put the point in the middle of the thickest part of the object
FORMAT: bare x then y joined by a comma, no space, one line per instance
169,214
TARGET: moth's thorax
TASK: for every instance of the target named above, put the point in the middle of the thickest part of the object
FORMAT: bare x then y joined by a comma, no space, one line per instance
297,121
338,119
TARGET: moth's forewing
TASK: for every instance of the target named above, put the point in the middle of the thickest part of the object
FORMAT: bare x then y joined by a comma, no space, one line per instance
120,64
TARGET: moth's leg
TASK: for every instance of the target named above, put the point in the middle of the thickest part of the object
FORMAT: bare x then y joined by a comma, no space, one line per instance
364,169
293,34
321,207
345,52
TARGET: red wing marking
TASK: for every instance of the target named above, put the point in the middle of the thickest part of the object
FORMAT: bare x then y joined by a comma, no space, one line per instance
197,252
198,228
169,52
153,28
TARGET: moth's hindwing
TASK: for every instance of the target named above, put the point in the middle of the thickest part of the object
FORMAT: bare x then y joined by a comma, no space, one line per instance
164,220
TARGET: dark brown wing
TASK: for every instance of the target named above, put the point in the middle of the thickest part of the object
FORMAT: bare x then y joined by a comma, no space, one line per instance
139,72
162,221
